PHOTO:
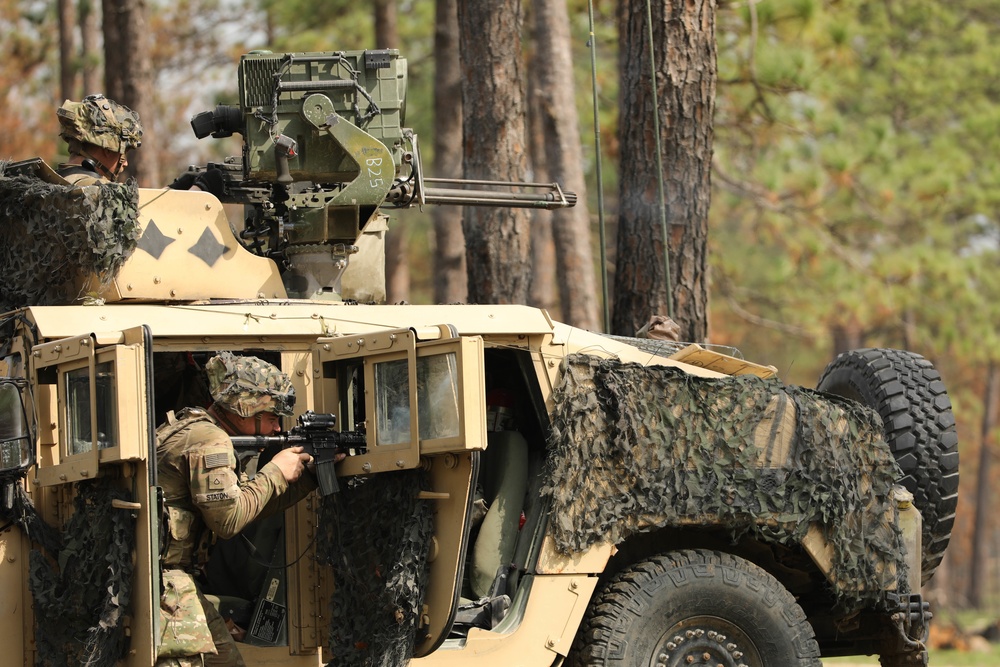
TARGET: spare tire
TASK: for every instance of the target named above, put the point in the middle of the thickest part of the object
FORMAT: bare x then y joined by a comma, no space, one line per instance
907,392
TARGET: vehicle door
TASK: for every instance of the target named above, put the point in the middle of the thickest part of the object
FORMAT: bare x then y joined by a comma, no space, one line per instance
418,395
93,486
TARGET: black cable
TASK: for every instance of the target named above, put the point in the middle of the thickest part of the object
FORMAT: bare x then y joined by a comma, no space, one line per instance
252,550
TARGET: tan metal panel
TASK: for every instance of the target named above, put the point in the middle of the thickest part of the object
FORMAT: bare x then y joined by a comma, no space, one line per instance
188,251
294,318
14,584
554,611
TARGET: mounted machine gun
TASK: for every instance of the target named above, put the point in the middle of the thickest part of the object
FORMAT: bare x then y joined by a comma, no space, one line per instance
323,148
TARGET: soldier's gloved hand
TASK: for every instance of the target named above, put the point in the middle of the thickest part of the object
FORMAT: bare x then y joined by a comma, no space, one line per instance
337,458
292,462
212,180
184,181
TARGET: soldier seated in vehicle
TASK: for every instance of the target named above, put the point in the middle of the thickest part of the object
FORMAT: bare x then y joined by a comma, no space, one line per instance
99,133
206,493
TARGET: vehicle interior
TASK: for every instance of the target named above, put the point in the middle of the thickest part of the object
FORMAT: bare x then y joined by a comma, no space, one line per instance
246,575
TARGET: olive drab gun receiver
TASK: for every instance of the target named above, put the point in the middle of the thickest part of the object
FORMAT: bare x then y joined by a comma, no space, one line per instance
324,147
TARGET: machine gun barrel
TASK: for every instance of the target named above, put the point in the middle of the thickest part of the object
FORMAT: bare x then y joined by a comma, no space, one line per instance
462,192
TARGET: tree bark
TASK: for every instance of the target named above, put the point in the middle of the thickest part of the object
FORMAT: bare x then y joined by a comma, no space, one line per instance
450,279
978,576
686,71
114,55
89,58
129,79
497,240
397,263
847,337
543,248
564,158
67,49
386,29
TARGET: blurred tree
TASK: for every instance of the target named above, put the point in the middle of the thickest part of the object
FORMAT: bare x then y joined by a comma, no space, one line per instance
67,49
497,240
543,248
450,277
555,105
683,42
128,78
89,59
849,172
978,573
397,265
29,39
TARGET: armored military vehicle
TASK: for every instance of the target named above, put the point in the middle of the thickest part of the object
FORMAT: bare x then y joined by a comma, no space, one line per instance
516,491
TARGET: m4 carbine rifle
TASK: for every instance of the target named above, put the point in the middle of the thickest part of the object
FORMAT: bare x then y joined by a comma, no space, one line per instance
317,436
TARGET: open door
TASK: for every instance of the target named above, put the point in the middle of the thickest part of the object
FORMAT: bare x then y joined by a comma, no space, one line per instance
93,397
419,396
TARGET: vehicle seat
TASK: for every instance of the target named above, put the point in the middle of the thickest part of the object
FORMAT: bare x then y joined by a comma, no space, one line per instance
504,480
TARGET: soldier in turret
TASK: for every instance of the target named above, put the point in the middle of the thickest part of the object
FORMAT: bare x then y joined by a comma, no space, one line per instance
206,493
99,133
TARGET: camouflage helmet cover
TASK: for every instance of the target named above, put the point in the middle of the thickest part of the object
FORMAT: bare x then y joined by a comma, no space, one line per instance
102,122
248,385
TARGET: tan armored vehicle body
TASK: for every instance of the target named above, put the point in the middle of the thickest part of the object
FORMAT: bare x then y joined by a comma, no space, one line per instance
516,491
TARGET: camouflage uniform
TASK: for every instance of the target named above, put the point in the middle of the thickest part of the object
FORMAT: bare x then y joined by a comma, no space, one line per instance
100,122
205,493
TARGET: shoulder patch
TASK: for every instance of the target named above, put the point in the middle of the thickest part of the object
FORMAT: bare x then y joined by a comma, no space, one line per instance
216,460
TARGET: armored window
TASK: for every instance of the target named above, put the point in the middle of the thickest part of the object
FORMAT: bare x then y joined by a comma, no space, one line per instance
78,404
91,402
392,386
437,396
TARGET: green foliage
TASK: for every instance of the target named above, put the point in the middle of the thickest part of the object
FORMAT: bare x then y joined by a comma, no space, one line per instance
28,79
855,147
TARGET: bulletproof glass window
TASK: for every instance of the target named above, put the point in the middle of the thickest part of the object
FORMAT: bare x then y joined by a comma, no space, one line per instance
15,439
437,396
392,409
79,417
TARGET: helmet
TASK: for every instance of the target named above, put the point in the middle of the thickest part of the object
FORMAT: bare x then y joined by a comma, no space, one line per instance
248,385
102,122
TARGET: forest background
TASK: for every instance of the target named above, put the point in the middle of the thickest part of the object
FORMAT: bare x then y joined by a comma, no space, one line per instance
854,198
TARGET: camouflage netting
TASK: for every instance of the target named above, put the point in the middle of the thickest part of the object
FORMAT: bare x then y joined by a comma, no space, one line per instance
636,448
51,235
376,536
82,589
23,513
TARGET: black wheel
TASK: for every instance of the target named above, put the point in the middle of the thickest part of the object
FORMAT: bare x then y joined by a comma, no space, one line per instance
695,608
907,392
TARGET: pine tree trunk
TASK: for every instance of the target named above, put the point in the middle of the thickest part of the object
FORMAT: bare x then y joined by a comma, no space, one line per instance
847,337
543,247
397,263
89,57
114,55
978,576
686,70
450,279
561,131
497,240
129,79
67,49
